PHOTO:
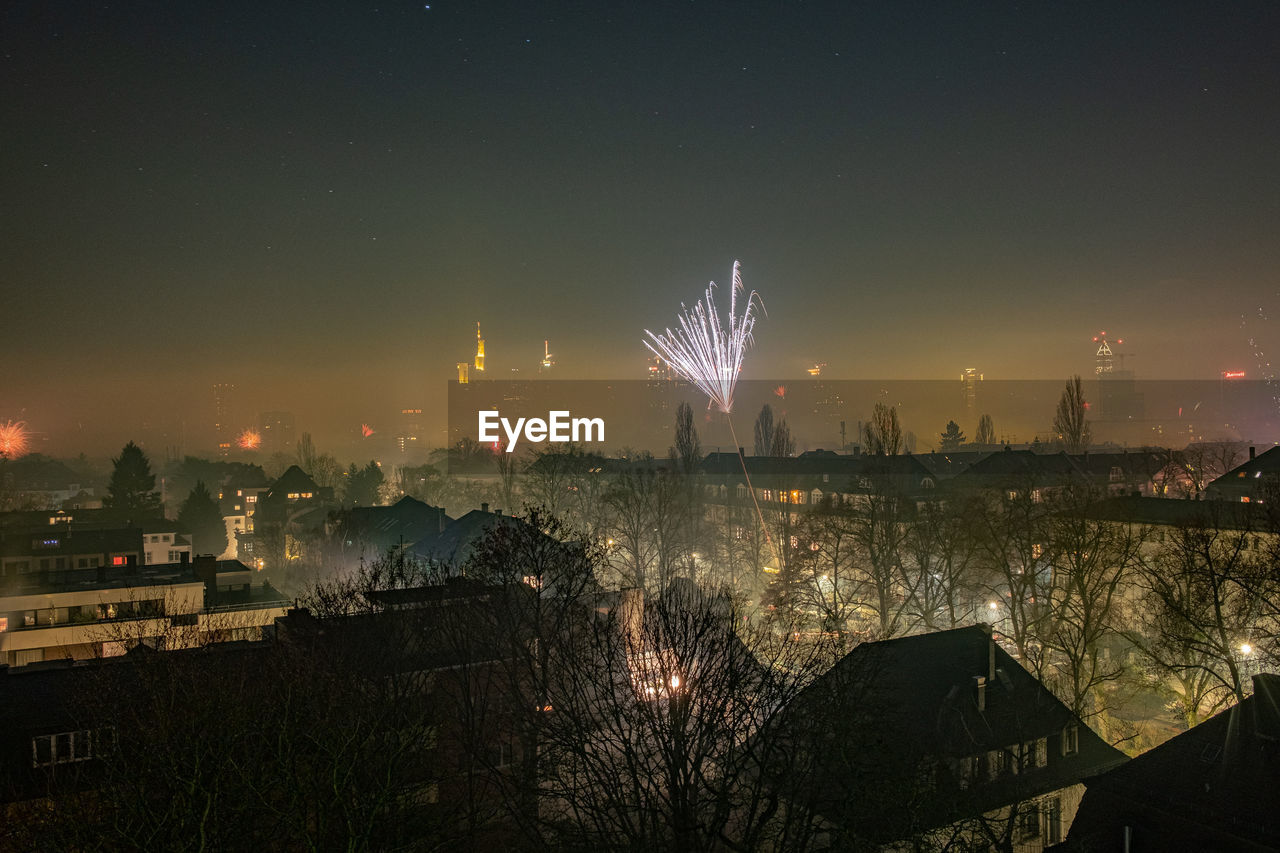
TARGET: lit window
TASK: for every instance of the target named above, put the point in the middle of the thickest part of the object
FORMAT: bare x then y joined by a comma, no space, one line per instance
117,561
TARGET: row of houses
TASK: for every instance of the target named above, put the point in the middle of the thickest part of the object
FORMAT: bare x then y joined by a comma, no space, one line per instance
938,739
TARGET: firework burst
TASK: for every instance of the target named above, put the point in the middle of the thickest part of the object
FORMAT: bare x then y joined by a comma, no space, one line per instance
366,430
250,439
707,354
13,439
702,350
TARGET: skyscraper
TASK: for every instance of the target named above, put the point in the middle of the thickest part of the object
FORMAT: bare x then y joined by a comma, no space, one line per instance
224,417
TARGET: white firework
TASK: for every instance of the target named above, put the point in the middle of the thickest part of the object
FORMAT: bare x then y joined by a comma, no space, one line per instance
705,353
702,350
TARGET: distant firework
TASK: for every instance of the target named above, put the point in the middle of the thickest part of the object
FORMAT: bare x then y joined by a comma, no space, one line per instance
1265,372
702,350
13,439
366,430
250,439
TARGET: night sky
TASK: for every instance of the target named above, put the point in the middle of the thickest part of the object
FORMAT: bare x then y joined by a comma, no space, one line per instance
317,201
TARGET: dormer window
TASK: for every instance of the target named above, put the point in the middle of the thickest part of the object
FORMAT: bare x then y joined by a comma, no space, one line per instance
1070,740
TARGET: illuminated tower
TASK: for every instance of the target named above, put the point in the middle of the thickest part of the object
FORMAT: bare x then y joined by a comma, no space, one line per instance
970,379
463,368
1102,358
547,361
479,350
1118,396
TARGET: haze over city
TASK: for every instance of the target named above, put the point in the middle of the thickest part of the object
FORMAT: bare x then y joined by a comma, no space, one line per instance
318,205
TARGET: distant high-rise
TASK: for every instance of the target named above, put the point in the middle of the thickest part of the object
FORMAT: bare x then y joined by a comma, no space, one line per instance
1102,358
464,369
224,425
276,429
479,350
548,361
970,378
410,431
1118,396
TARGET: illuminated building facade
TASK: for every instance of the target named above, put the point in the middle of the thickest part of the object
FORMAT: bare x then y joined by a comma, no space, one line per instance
224,427
970,379
1118,397
479,363
277,432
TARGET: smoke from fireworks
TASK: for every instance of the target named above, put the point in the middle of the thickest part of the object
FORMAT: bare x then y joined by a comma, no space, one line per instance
13,439
702,350
250,439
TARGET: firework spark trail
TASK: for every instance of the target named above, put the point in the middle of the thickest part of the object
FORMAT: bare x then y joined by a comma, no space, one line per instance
250,439
13,439
1265,371
702,351
710,357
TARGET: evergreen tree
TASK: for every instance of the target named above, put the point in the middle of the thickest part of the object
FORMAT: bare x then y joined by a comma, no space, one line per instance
132,487
363,484
952,437
201,516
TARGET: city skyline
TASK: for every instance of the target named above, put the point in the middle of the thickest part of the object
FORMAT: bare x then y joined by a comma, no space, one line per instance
317,209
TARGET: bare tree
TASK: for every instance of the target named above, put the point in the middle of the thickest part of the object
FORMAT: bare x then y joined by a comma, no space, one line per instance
686,452
1070,422
986,432
784,445
883,434
1198,609
1092,560
764,431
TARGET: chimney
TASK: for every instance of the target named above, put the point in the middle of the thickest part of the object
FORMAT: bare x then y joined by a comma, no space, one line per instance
484,507
498,511
184,557
980,682
991,650
207,571
1252,451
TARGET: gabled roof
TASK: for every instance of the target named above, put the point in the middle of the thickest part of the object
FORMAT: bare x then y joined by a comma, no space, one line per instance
1213,787
294,480
891,709
1264,465
1133,464
409,520
1172,512
809,470
457,542
1021,464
